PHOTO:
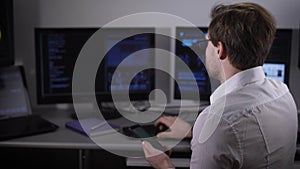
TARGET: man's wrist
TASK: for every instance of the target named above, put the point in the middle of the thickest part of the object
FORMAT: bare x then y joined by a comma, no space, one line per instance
169,164
190,133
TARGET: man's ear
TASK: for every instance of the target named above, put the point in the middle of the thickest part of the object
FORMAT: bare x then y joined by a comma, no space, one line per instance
221,51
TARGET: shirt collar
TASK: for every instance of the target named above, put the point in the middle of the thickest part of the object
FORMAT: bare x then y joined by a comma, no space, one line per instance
238,81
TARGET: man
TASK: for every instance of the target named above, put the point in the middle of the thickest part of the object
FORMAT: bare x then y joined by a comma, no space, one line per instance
257,126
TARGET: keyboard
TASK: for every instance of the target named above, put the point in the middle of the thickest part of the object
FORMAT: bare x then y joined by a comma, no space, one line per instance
24,126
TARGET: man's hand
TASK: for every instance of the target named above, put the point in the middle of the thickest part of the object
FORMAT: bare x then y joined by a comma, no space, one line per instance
178,128
156,158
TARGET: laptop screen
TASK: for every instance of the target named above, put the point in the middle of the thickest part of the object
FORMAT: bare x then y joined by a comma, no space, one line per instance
13,94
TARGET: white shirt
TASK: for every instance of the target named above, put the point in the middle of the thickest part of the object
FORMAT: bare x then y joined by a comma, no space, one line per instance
254,125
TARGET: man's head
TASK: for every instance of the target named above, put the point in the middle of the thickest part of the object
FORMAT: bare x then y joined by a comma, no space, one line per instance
245,31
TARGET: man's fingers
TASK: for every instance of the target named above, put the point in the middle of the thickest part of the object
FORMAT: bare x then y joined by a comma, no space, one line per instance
147,147
165,135
161,120
149,150
168,121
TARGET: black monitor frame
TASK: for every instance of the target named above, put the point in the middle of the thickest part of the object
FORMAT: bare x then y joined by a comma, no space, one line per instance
7,33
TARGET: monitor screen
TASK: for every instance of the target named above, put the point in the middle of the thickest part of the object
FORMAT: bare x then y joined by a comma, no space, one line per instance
58,48
186,43
142,83
275,71
14,99
6,33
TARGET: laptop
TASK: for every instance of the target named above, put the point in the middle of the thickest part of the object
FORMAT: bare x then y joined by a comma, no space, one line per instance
16,118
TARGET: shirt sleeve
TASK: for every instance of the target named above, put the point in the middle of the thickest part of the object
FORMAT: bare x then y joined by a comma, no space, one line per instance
221,150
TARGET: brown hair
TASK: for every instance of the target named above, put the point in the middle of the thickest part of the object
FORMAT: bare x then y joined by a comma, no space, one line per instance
246,30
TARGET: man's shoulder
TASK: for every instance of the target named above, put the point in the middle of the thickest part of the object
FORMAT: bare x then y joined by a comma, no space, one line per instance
254,94
239,103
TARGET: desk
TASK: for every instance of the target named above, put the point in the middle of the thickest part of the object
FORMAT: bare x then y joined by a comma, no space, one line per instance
66,140
74,147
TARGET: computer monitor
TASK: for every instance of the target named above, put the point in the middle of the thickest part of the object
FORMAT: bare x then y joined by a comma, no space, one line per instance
277,64
58,48
187,42
6,33
56,52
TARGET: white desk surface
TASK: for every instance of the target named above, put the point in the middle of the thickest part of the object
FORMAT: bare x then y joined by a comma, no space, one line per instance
65,138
